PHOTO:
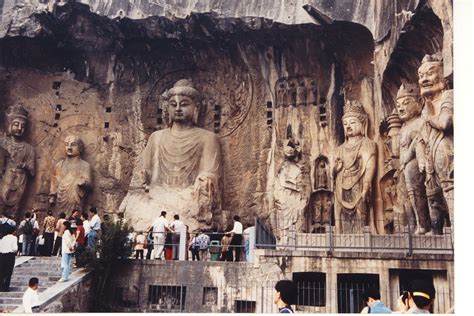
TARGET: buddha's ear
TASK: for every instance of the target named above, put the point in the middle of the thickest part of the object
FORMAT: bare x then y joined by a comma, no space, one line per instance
197,109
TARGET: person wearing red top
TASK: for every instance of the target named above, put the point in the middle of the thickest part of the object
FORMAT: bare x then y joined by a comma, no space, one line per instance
80,241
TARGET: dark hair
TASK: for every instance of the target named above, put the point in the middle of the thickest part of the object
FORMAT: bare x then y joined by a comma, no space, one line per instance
33,282
27,215
163,213
422,292
79,221
62,215
176,217
371,292
50,212
236,218
67,224
10,229
288,291
86,217
93,210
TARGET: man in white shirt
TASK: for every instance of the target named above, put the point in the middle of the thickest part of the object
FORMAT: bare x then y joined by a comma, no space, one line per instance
8,250
177,225
31,301
94,225
159,228
236,243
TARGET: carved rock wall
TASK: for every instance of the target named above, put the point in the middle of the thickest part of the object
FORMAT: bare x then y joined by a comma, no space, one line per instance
82,72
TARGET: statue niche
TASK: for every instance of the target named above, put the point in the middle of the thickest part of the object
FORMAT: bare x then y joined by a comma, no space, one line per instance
354,170
321,202
19,161
72,178
289,195
437,138
180,167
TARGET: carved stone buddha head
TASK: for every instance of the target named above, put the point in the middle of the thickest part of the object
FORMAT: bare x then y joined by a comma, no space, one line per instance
408,101
354,119
430,75
73,146
17,118
184,102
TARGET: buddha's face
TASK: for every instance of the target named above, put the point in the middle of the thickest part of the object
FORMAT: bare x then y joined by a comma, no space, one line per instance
181,109
72,146
431,79
352,126
407,108
17,127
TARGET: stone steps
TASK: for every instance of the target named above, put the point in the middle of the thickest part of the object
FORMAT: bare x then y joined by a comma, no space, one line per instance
46,269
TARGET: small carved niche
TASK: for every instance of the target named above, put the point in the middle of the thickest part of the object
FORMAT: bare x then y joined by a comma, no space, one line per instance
56,85
323,120
269,113
321,173
108,109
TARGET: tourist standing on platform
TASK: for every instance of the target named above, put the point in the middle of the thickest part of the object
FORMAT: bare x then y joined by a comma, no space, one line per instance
203,241
49,226
160,228
86,225
140,244
80,242
177,225
31,302
27,227
95,228
68,245
194,247
285,296
226,252
236,243
60,232
149,244
8,250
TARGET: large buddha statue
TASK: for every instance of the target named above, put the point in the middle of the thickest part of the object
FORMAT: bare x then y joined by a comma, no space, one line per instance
410,177
181,167
354,169
437,134
71,179
19,161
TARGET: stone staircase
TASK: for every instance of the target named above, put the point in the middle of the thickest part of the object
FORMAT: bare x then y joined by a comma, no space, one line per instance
46,269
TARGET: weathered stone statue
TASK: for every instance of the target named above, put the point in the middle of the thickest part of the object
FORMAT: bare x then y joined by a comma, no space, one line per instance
437,136
355,163
19,163
411,155
290,196
181,167
71,179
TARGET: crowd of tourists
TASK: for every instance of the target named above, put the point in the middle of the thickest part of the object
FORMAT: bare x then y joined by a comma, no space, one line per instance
161,241
64,236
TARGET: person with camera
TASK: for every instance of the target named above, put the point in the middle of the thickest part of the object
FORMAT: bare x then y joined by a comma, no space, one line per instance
418,299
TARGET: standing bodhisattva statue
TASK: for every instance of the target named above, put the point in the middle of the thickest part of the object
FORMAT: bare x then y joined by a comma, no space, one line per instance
181,166
355,163
411,155
437,135
19,163
71,179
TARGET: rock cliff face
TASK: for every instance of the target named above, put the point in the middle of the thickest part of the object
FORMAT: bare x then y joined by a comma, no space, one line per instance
99,71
